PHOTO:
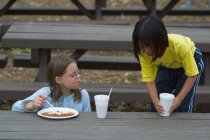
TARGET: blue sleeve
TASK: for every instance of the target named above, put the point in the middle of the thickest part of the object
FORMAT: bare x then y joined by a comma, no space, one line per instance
20,105
86,101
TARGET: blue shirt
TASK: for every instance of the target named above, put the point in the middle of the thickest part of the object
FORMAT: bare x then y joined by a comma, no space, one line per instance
64,101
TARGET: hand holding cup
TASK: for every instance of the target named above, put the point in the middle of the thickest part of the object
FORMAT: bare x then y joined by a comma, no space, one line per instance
166,100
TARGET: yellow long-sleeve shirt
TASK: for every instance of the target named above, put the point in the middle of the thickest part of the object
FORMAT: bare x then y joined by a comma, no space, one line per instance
179,53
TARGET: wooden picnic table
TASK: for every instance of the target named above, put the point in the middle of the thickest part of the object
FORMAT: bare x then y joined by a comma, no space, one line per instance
81,7
117,126
149,4
45,37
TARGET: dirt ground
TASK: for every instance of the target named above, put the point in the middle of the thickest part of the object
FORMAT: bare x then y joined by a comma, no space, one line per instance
20,74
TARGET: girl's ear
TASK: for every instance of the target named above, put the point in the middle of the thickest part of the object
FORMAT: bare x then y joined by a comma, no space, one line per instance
58,80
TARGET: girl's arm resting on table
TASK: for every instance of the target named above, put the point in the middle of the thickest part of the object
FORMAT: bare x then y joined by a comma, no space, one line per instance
26,104
154,96
184,91
29,105
36,103
20,106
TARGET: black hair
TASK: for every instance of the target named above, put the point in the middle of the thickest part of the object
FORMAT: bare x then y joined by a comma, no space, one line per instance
150,32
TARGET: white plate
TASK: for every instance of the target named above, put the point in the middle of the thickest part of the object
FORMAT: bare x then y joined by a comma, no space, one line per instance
60,109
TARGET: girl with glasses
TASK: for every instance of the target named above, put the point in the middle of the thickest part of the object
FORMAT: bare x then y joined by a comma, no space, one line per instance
64,90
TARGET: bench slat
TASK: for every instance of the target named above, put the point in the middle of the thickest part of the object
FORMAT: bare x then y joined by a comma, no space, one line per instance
88,62
107,11
121,92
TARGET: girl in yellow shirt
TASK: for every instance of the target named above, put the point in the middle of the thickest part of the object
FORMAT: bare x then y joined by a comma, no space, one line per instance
170,63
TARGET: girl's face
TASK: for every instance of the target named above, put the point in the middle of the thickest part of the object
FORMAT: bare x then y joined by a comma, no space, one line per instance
71,78
147,50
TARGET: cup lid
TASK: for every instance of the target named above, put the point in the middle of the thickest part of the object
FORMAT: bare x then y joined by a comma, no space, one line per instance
101,97
167,96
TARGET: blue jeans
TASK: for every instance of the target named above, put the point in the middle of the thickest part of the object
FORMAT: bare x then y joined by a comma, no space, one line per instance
172,80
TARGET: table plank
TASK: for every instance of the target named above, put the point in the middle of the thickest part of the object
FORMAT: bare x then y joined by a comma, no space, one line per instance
94,36
118,125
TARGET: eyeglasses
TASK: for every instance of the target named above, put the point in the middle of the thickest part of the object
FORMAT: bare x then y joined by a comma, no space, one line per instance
75,74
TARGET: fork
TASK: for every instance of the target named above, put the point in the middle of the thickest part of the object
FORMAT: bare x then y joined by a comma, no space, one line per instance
49,103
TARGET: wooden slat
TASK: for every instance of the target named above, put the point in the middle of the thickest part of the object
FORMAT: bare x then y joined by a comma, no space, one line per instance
117,126
108,63
15,91
198,24
107,11
186,25
94,37
88,62
6,25
121,92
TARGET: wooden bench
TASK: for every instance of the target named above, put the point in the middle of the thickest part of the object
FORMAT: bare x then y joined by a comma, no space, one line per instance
120,93
132,93
101,10
88,62
5,25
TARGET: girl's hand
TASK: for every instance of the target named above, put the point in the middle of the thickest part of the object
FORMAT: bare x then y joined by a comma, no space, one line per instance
38,101
159,108
176,103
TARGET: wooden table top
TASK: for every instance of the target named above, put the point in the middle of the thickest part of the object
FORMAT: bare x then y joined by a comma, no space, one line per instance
117,126
83,36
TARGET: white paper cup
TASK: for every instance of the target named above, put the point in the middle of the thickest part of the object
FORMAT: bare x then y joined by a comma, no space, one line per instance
101,102
166,100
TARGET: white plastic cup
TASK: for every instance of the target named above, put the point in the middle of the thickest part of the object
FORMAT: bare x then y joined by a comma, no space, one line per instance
101,102
166,100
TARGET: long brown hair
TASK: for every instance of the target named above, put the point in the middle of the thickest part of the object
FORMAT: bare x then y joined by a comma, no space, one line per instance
150,32
57,67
